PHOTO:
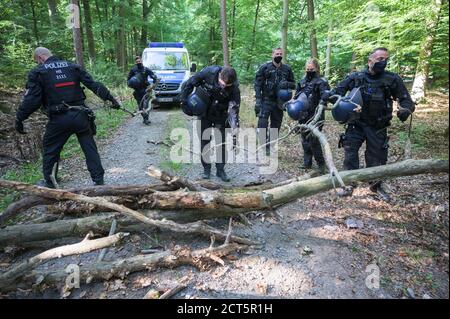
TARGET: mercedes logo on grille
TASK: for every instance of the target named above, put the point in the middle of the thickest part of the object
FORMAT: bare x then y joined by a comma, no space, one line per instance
164,87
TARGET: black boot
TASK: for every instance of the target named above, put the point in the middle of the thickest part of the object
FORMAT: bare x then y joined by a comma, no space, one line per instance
147,121
99,182
206,173
222,175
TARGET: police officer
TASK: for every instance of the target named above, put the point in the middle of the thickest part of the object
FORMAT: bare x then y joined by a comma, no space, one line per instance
221,87
270,78
139,82
379,88
313,86
55,85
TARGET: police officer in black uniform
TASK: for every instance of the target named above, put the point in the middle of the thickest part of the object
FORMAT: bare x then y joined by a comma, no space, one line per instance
55,85
270,78
379,88
313,86
221,86
141,75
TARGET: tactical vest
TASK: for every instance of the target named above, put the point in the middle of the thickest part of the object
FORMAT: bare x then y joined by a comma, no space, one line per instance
311,89
377,97
61,84
272,78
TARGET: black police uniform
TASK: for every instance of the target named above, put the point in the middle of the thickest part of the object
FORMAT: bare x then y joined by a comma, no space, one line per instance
223,111
143,73
268,80
313,87
378,92
55,85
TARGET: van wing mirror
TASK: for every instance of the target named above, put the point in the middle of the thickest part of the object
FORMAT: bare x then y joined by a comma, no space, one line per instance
193,67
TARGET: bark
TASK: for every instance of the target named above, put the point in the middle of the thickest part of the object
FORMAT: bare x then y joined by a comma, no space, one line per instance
89,33
145,12
25,203
223,23
77,41
328,53
121,41
191,228
8,279
418,90
284,29
252,46
201,259
100,19
35,28
313,38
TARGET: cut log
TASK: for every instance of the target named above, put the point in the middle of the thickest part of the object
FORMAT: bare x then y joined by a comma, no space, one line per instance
8,279
201,259
169,179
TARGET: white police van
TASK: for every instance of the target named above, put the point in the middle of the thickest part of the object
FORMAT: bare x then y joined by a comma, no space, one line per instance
170,62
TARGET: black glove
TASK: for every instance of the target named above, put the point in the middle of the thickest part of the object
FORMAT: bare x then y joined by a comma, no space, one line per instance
115,104
328,97
258,105
19,127
403,114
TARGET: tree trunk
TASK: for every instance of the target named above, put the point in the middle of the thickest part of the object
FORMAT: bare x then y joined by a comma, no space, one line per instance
252,46
418,91
223,23
99,16
89,33
35,29
233,26
77,41
313,38
284,29
145,12
121,41
53,13
328,53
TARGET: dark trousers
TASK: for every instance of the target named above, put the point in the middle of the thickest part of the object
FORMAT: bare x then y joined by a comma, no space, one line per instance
270,111
139,95
206,123
58,130
376,145
312,148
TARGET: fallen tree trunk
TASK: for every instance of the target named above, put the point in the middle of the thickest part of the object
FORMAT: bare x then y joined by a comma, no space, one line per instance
58,194
8,278
105,190
99,224
201,259
217,203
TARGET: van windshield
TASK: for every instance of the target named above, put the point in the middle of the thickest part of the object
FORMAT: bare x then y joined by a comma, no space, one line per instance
166,60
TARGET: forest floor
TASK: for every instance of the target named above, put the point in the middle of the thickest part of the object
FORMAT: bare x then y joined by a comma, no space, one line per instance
308,250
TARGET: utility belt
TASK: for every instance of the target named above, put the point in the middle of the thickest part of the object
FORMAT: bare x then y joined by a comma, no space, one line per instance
64,108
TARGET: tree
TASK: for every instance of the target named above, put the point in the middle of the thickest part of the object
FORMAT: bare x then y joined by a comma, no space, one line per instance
76,31
284,29
53,12
313,37
252,46
89,33
423,65
223,20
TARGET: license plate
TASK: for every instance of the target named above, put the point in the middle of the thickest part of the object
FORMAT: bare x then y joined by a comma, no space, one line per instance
165,99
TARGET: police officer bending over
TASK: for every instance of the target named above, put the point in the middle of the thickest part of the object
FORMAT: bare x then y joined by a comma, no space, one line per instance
378,89
55,85
274,81
216,101
313,87
137,80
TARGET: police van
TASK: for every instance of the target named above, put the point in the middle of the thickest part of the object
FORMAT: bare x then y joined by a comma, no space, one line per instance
170,62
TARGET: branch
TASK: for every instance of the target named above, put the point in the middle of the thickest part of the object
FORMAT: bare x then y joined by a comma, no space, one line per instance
10,277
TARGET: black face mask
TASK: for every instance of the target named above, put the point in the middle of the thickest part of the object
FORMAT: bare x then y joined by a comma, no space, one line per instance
278,59
310,74
379,67
139,65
